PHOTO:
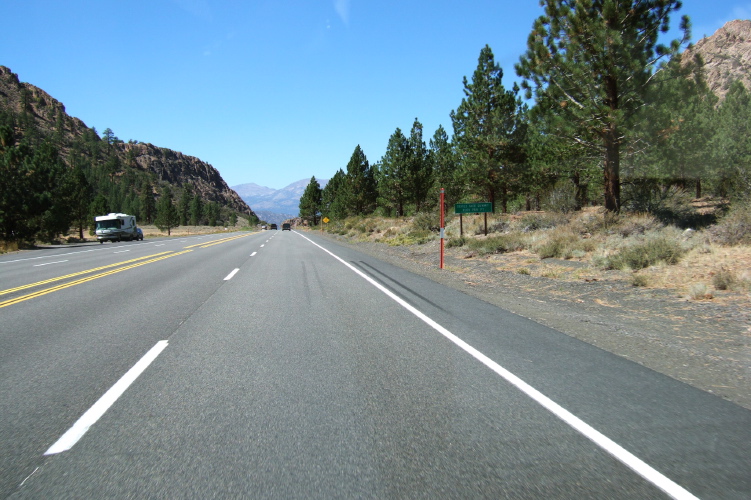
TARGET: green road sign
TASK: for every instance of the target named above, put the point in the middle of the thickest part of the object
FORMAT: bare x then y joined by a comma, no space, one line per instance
473,208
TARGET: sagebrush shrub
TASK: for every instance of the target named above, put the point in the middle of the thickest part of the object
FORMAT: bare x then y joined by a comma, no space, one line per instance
659,248
734,228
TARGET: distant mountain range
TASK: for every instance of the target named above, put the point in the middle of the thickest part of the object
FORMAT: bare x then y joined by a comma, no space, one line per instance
275,205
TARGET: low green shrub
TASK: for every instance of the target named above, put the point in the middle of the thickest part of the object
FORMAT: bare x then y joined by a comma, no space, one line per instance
724,279
734,228
699,291
561,198
647,252
536,221
640,280
418,237
426,221
459,241
498,226
636,224
502,243
560,245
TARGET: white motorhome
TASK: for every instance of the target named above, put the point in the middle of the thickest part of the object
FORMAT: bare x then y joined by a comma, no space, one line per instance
116,227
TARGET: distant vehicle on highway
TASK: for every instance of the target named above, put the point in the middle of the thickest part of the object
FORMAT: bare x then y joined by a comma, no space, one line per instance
264,227
286,226
273,226
139,234
115,227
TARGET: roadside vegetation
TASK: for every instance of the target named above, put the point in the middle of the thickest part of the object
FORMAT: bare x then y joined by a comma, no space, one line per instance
591,244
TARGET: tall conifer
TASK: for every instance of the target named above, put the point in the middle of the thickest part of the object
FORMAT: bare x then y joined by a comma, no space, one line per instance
591,62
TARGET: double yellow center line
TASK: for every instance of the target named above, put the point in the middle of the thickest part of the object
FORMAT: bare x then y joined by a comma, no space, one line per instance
111,269
39,293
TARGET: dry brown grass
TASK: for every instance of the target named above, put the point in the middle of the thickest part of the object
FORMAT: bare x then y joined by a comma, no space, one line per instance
579,247
151,231
700,266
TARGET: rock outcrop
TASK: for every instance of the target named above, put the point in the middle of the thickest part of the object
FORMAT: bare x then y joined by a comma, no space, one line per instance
726,55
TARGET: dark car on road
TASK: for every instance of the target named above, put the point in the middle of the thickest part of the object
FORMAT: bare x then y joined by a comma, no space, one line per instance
286,227
272,226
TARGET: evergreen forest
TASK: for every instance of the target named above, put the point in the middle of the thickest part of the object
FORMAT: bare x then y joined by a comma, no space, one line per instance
61,178
605,115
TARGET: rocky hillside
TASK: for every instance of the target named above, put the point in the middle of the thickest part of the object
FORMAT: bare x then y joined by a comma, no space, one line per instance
30,104
726,55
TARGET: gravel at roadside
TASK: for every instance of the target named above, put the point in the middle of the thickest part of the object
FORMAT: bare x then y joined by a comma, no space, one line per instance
702,343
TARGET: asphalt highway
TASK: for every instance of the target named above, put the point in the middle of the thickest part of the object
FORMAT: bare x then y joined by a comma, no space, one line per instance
278,364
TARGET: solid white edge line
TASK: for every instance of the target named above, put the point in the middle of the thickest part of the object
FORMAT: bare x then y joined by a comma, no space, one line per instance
94,413
230,275
627,458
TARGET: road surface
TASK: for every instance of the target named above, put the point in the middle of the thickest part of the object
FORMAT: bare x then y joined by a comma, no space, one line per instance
279,364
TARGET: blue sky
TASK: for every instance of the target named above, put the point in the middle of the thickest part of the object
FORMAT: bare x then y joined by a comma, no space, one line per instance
267,91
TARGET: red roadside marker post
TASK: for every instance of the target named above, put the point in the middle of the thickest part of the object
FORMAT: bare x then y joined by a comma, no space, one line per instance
442,226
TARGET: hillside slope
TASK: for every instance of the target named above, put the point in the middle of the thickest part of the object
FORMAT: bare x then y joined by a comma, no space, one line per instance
726,55
32,106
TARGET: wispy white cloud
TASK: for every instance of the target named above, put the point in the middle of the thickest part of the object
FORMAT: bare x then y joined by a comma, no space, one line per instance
342,9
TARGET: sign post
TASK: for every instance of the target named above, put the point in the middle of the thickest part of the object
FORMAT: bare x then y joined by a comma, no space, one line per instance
472,208
442,225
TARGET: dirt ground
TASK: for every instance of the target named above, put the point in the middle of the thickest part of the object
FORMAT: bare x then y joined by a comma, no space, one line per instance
702,340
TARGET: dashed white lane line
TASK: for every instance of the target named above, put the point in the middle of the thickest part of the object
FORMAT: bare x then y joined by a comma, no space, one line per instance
94,413
253,254
49,263
230,275
624,456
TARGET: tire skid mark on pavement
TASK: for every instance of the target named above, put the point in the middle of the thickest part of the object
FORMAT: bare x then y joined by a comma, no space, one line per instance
651,475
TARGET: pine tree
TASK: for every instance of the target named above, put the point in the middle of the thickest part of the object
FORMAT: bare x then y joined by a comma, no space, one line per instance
148,203
12,166
166,212
81,195
334,195
361,184
211,211
33,197
443,161
732,143
310,201
590,62
489,131
393,174
678,126
420,168
196,211
183,206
